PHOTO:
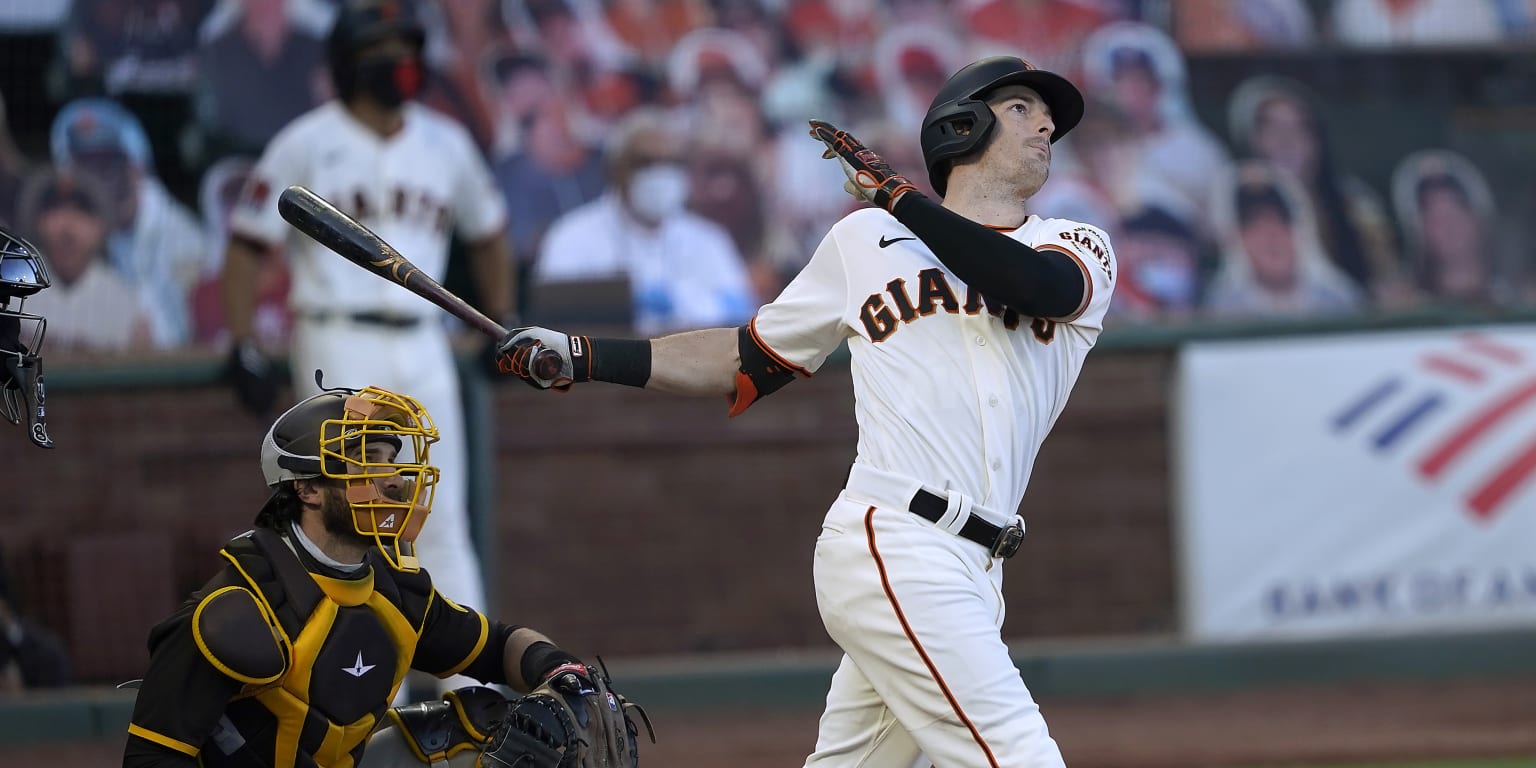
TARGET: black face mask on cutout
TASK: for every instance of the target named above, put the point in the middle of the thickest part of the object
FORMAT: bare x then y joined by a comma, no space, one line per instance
390,80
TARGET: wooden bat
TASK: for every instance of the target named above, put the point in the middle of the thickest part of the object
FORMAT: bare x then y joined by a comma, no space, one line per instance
327,225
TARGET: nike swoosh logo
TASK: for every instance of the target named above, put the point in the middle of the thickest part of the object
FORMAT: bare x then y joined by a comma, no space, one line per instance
886,243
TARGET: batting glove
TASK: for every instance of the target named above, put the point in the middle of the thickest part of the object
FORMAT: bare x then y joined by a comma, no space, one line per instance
518,352
870,178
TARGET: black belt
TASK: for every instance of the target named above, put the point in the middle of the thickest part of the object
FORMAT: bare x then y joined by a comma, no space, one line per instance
381,319
1001,542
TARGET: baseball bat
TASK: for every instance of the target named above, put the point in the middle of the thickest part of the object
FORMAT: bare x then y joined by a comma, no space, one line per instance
327,225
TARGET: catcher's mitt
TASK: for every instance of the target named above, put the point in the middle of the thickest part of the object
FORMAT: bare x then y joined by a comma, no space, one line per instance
573,720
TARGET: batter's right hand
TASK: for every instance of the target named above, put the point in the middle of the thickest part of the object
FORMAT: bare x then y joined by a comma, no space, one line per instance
515,355
251,374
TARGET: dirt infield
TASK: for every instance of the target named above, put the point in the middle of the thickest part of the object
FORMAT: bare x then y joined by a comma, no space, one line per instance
1334,724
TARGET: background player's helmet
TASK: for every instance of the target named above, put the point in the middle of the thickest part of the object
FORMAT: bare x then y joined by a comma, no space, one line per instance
961,104
360,23
329,435
22,274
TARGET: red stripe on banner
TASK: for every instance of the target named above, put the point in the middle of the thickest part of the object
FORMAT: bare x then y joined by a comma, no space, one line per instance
1463,438
1489,348
1506,481
1453,368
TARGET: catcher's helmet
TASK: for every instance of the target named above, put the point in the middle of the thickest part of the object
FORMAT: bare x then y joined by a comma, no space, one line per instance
330,434
360,23
961,103
22,274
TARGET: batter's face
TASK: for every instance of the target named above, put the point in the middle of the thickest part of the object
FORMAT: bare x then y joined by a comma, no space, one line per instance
1019,150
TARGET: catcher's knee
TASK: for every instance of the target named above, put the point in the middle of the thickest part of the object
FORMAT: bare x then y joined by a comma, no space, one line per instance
449,732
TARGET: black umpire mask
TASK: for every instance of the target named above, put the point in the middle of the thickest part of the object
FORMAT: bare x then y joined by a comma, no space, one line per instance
390,80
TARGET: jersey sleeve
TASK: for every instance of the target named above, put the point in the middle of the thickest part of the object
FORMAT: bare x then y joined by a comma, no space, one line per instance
452,638
807,321
1090,248
479,209
284,163
182,695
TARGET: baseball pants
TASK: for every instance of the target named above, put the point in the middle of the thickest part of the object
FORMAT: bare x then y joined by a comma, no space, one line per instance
417,362
918,612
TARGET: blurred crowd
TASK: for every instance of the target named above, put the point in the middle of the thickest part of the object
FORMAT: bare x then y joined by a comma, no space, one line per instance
1259,216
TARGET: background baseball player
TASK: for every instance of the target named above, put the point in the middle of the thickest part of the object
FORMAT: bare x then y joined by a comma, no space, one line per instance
968,324
410,174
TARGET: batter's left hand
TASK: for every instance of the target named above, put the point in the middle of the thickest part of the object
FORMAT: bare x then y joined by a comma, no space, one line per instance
869,176
515,355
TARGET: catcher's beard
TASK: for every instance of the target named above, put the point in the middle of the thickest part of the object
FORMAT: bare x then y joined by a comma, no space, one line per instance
336,513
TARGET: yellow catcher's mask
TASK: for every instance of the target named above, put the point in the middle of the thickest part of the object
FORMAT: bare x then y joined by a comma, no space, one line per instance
374,441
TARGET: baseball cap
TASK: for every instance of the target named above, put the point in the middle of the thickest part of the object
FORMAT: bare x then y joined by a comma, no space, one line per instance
98,126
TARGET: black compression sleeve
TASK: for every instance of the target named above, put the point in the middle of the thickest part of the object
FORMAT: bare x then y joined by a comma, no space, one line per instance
1034,283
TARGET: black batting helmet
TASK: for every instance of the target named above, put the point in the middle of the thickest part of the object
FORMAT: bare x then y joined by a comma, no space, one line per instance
360,23
961,103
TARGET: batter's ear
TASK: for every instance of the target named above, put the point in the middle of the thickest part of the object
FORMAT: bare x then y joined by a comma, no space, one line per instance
760,374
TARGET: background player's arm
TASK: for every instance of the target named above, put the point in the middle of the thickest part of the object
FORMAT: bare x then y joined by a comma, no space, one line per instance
490,259
242,263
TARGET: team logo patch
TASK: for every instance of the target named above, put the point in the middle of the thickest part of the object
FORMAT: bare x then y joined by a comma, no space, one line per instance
1089,242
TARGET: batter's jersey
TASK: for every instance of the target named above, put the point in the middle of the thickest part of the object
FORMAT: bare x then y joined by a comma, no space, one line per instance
412,188
952,389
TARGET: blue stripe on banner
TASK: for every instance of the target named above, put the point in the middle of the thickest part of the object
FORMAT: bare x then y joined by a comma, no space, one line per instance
1423,408
1353,413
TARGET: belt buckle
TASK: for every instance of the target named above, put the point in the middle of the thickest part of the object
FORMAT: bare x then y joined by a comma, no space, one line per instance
1008,541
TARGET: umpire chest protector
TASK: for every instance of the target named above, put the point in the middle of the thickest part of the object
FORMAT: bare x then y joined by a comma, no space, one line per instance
321,657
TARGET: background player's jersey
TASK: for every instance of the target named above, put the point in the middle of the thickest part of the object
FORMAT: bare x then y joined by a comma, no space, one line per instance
952,391
411,188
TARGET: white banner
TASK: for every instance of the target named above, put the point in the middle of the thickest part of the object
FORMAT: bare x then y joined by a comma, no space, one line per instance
1363,484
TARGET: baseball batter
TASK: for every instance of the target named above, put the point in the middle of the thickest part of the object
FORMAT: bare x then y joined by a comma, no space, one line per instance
968,323
410,175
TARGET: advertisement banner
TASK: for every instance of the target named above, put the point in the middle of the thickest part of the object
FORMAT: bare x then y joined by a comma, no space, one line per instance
1372,483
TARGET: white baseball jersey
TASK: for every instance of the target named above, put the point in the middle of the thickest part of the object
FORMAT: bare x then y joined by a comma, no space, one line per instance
953,391
412,189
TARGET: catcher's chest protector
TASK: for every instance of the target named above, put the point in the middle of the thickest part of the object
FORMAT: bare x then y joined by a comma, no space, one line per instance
348,643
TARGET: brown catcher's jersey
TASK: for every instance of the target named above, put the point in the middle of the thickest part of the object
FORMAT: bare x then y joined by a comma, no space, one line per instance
274,664
952,389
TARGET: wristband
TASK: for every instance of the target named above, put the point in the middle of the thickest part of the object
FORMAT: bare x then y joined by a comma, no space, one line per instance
620,361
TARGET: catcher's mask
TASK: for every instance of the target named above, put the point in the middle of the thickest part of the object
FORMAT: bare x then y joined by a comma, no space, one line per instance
373,440
22,273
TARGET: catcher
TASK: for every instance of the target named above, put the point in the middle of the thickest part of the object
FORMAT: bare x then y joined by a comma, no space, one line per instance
290,656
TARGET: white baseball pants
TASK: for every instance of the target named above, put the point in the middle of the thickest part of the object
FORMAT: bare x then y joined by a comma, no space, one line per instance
918,612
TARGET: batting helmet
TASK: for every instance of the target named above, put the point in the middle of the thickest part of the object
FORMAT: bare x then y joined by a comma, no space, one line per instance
360,23
22,274
961,104
330,435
